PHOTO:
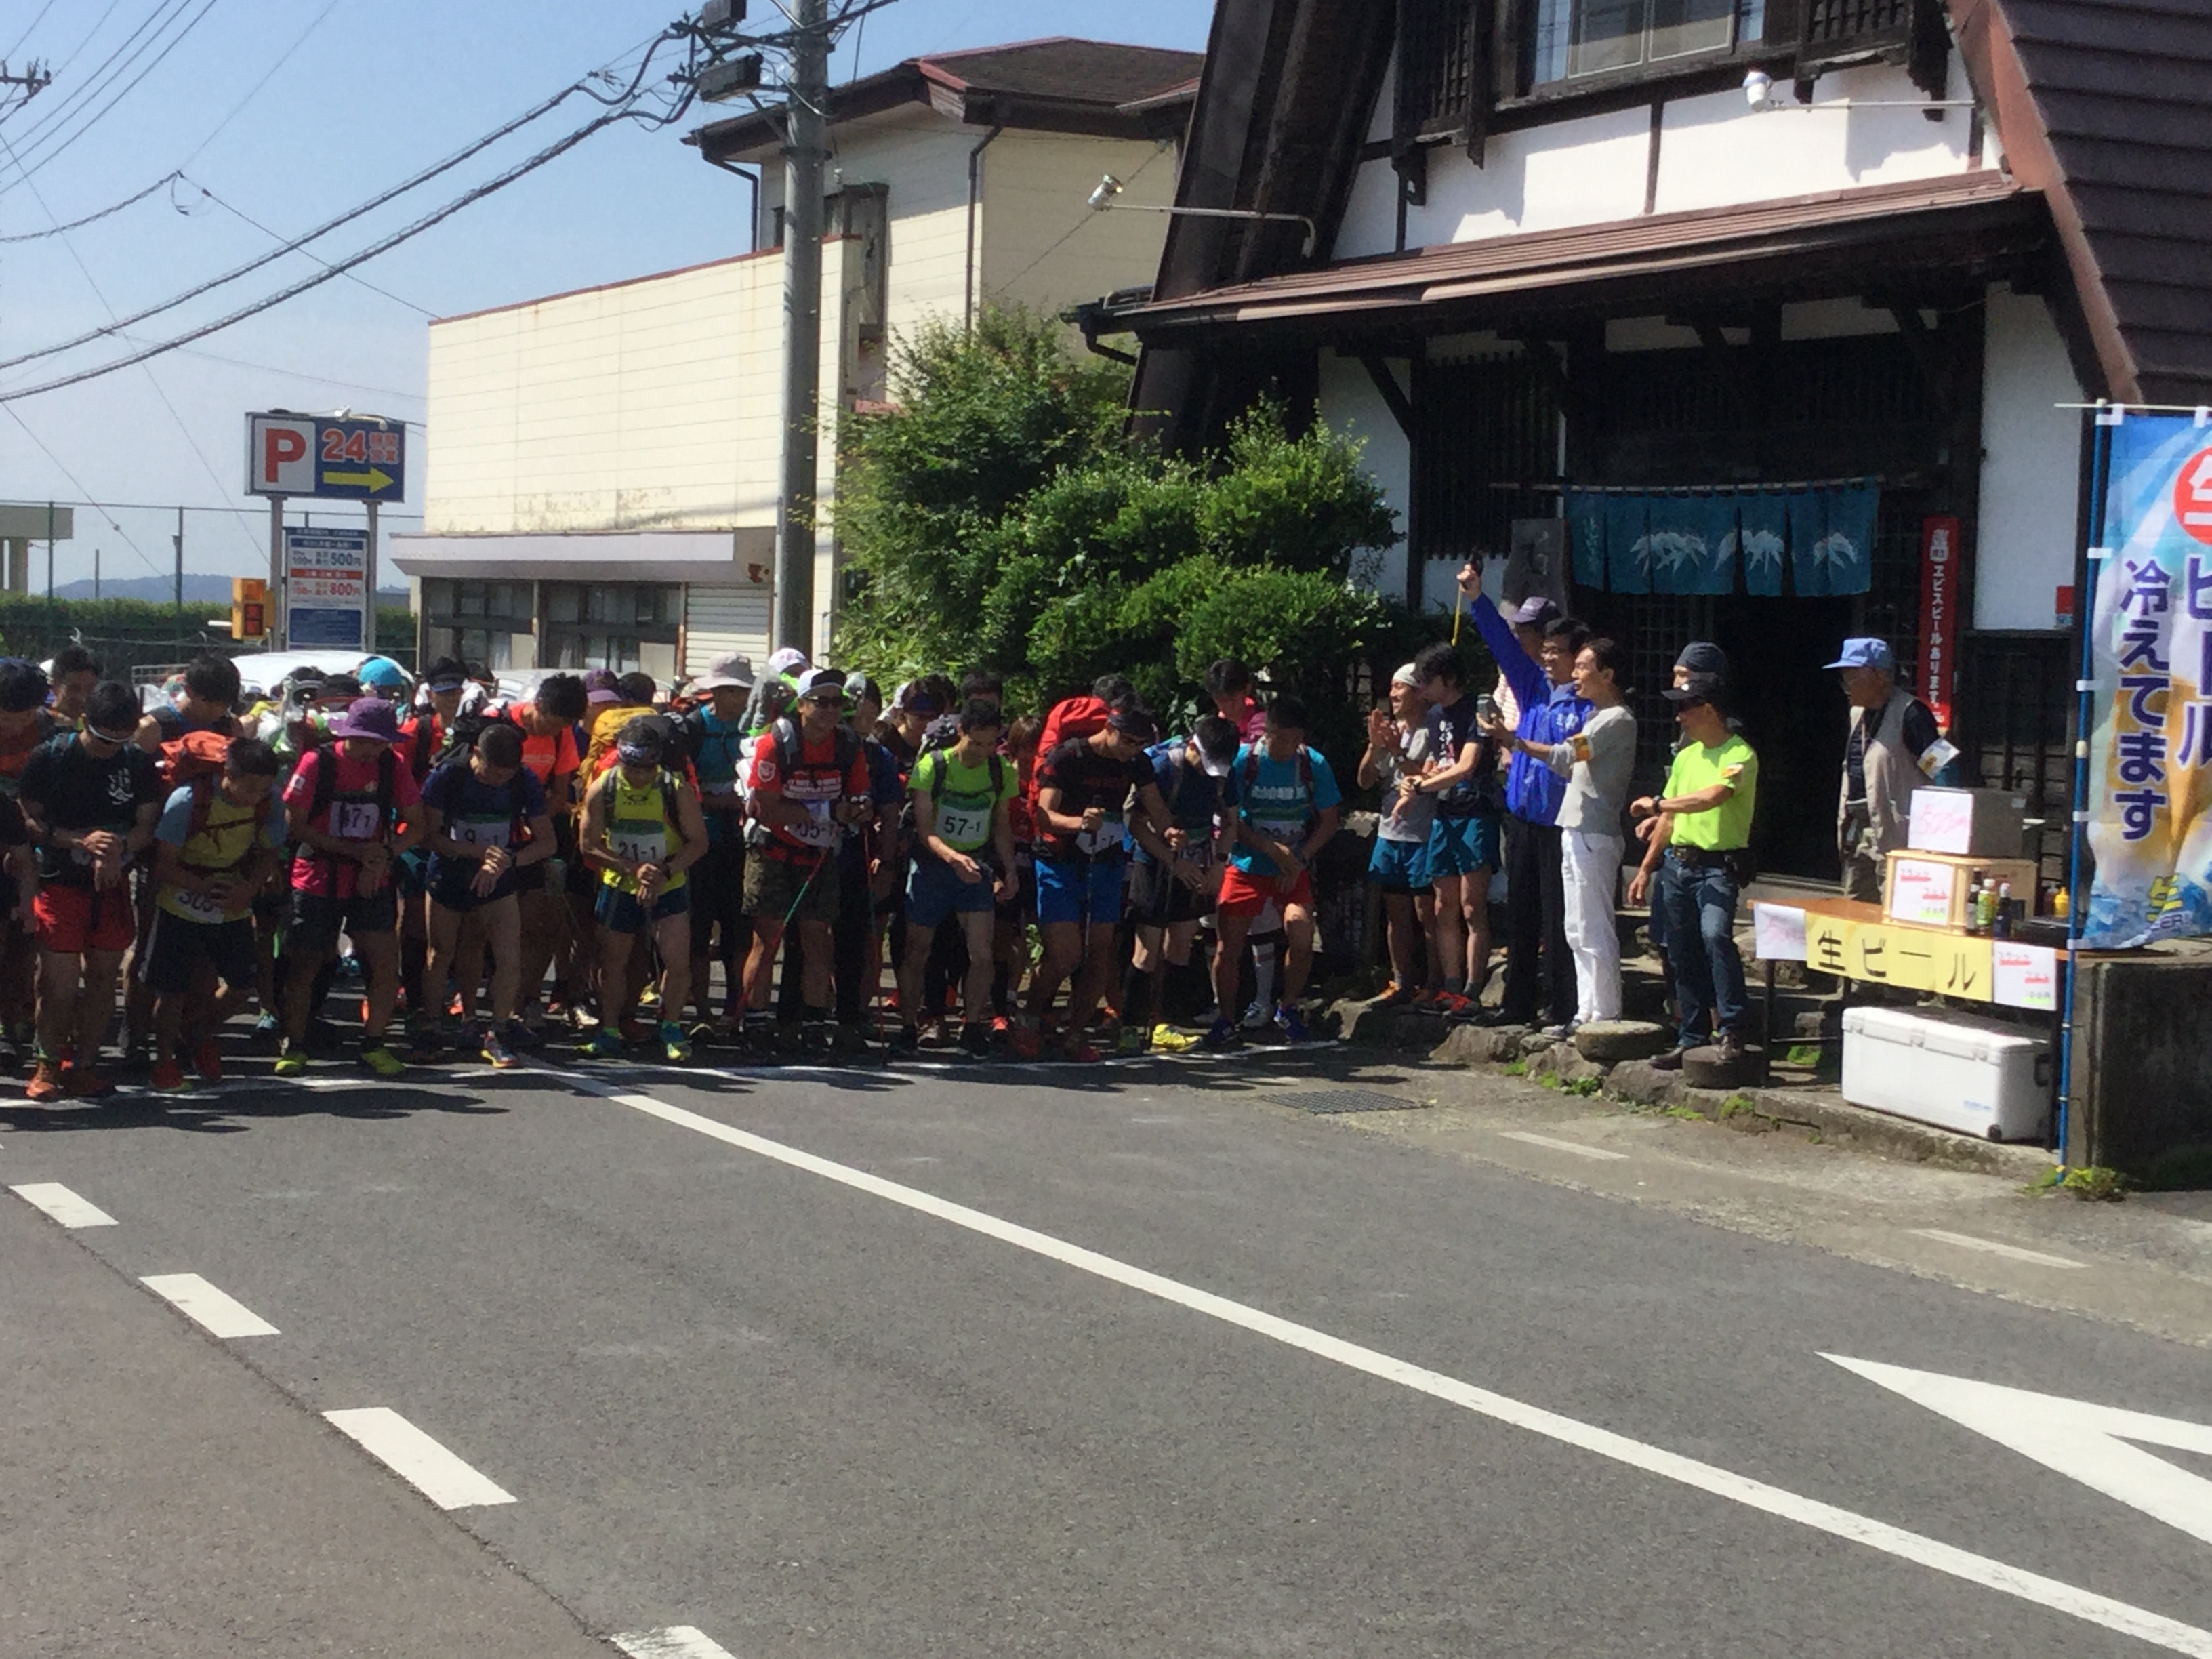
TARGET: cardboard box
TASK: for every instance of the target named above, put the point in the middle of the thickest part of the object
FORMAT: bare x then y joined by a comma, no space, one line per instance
1978,1077
1987,823
1933,889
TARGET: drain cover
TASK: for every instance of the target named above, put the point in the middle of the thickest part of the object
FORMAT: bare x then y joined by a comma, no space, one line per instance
1345,1100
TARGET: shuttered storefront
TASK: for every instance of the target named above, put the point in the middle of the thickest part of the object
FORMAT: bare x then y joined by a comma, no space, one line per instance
719,620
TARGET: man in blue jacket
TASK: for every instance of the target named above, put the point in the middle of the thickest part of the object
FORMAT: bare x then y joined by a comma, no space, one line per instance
1540,973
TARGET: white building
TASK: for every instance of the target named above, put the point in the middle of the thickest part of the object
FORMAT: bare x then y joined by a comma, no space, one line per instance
604,465
1566,260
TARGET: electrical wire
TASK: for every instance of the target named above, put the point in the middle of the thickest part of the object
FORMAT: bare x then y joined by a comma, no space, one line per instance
92,218
358,280
318,232
29,29
61,467
530,164
110,70
254,91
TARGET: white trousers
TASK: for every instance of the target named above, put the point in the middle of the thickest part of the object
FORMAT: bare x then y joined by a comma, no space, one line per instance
1589,872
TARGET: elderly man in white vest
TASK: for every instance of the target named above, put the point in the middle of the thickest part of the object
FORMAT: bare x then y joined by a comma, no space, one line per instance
1894,747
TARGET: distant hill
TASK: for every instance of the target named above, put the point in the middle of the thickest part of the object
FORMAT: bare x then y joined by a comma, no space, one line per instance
199,589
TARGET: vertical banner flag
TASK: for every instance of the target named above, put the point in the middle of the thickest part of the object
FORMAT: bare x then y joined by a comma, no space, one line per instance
1939,610
2150,745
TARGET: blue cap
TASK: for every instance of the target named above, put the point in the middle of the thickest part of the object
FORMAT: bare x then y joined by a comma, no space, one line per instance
382,671
1866,653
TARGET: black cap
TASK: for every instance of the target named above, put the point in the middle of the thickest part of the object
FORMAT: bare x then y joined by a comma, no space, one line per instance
1704,656
1699,688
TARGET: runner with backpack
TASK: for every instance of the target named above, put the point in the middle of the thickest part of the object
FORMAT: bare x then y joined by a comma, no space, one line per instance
1196,779
553,750
1287,808
642,829
964,864
486,824
714,736
216,842
24,723
810,779
1083,787
90,800
353,809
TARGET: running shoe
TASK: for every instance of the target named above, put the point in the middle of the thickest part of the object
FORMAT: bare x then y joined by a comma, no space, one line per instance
292,1061
1132,1041
168,1076
1023,1041
45,1082
906,1042
1166,1040
607,1043
522,1039
1394,995
382,1061
975,1040
649,997
674,1044
86,1083
1427,1001
1257,1018
207,1060
1291,1024
1081,1052
267,1030
1000,1026
1221,1037
496,1052
1452,1004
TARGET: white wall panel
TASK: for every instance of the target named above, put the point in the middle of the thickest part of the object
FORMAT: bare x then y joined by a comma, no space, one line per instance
2030,467
1354,409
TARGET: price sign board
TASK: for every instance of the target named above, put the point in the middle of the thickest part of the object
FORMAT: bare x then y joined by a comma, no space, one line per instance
326,588
350,459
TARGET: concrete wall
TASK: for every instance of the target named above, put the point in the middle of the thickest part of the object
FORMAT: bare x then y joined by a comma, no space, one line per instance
2031,469
1714,151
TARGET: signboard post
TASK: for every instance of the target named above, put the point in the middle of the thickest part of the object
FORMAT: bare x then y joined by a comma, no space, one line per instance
325,595
334,458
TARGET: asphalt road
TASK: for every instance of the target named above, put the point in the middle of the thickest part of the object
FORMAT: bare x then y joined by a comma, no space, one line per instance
1111,1361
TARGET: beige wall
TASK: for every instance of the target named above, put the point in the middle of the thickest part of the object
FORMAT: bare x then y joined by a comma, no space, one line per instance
1042,245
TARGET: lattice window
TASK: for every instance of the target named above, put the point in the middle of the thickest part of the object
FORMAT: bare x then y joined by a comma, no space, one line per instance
1436,65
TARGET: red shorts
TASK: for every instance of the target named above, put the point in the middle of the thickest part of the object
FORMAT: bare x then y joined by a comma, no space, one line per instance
75,920
1247,895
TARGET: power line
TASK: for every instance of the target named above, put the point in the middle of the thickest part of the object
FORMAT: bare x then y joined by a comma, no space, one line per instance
254,91
318,232
99,114
92,218
107,72
361,282
29,29
63,470
623,111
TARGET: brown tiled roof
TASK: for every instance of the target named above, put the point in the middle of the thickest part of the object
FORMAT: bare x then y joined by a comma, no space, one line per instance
2105,106
1960,220
1061,85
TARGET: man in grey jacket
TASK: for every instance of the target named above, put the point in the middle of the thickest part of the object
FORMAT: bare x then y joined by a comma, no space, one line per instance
1894,748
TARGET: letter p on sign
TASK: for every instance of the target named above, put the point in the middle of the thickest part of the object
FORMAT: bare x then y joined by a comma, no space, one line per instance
280,456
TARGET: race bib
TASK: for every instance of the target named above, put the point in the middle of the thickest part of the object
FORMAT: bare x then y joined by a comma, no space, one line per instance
356,820
200,907
819,830
1105,838
962,829
640,847
480,834
1197,853
1283,829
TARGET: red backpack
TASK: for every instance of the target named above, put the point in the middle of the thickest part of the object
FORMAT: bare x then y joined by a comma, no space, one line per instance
196,761
1071,717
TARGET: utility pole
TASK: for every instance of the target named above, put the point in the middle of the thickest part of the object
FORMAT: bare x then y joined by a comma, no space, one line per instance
95,573
805,151
35,79
178,541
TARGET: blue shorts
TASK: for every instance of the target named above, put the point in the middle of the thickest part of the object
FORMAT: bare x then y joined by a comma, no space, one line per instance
1079,891
621,913
1462,846
935,891
1400,867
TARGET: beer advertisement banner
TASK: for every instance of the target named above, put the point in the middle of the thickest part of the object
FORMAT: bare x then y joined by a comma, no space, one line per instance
2150,745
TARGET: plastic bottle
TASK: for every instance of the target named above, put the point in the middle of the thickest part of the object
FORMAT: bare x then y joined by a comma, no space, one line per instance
2062,903
1984,909
2005,920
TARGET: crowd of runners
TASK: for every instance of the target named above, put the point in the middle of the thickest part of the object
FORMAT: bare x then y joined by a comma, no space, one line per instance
630,868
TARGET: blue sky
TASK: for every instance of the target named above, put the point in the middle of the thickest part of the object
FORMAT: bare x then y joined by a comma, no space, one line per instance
291,112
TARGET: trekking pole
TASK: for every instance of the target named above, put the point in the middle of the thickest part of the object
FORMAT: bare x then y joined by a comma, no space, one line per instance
797,899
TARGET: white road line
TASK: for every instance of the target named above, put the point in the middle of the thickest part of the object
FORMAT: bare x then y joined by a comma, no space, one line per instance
1982,1570
63,1205
416,1458
2017,1253
676,1642
220,1313
1574,1146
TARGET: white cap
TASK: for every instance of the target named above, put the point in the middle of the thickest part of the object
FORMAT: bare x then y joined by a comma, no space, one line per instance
1405,676
789,660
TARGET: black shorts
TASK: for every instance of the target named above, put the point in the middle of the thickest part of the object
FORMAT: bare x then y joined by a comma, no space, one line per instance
449,893
718,889
1147,906
319,919
175,948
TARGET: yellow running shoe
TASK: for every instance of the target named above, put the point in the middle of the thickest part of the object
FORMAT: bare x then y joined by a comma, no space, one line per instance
1166,1040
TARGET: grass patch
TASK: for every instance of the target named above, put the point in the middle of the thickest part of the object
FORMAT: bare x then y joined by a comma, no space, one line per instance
1804,1054
1517,1068
1688,1114
2097,1184
1736,1106
1582,1087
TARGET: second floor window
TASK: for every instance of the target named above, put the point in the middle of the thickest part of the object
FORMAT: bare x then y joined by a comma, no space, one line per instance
1575,38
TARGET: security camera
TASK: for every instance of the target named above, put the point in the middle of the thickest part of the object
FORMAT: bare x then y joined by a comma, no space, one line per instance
1758,89
1103,197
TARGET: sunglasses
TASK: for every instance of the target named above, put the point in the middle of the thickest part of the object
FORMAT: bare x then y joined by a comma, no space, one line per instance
109,737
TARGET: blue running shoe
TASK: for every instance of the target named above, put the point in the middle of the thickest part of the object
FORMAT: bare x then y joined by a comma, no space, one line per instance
1291,1026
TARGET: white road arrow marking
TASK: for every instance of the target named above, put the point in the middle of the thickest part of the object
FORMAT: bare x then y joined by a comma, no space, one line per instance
2087,1442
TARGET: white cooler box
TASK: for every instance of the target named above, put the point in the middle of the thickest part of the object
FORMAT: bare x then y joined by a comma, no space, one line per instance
1979,1076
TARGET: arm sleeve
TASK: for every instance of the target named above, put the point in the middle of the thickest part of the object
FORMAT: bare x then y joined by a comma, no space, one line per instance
1526,678
175,826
